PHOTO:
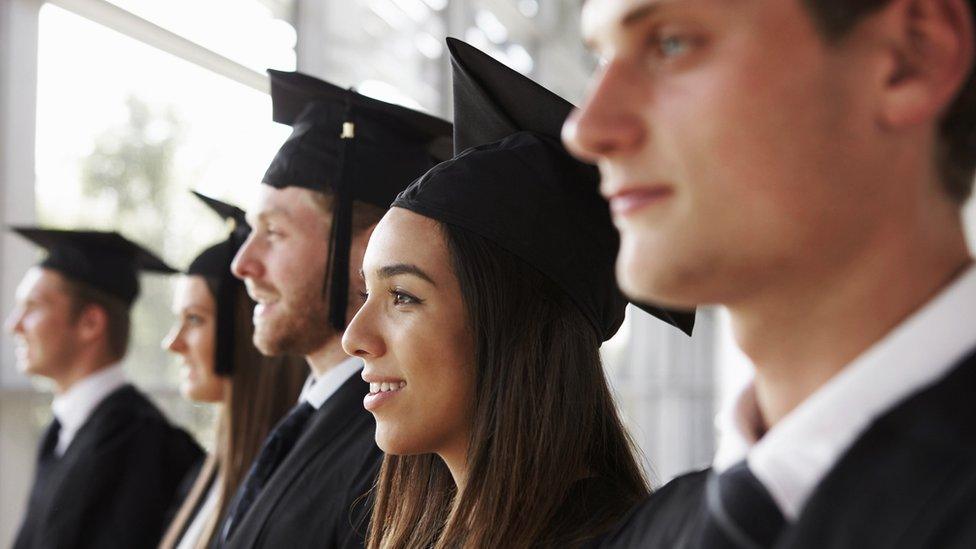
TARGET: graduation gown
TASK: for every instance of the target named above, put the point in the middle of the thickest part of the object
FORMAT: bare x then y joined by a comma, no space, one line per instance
115,483
317,496
908,481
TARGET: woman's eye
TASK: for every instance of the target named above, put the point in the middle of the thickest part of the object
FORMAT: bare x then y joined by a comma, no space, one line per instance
403,298
194,320
363,295
671,45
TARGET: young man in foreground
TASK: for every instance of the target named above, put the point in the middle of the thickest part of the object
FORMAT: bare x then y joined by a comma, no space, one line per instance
804,163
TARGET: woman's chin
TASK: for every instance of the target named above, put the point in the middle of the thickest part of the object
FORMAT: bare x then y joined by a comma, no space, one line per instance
397,443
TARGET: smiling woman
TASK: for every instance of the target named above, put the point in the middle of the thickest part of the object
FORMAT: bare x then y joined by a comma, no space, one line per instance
489,291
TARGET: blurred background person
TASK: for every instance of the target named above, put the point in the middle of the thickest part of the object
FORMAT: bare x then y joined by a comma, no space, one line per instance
220,365
110,463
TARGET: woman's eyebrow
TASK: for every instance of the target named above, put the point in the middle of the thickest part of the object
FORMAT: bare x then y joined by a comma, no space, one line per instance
404,268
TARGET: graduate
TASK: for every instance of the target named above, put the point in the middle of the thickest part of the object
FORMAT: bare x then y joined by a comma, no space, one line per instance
333,178
220,365
490,288
109,463
804,163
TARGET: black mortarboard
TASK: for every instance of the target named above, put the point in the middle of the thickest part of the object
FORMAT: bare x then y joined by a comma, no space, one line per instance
214,264
516,185
352,147
106,261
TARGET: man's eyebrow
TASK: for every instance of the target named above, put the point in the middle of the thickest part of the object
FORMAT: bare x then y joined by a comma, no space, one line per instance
253,219
404,268
629,19
639,13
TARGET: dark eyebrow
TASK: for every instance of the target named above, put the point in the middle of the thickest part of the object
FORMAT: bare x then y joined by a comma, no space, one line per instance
404,268
630,19
637,14
254,219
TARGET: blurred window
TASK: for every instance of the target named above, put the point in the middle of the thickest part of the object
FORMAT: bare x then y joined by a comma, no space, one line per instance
124,130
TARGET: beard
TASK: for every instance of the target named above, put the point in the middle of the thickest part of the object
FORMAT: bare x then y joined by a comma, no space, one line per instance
299,327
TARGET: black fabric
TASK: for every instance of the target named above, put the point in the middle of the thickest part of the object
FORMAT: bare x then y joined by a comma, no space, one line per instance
590,510
214,264
908,482
351,147
114,484
741,513
279,442
319,495
49,441
518,187
106,261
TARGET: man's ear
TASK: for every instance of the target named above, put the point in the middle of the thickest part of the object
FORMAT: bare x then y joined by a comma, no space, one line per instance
91,323
930,43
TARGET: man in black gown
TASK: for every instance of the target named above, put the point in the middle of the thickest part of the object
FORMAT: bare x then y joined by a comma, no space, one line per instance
110,463
803,163
348,156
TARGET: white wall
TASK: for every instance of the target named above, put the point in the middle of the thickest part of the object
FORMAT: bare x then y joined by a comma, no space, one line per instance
19,404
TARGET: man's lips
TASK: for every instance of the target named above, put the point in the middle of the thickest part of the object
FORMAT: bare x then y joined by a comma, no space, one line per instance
629,200
263,308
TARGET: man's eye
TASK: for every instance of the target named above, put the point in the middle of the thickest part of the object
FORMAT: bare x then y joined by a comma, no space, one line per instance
363,295
673,45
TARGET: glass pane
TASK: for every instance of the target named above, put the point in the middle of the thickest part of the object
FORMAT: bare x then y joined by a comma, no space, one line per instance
123,131
246,31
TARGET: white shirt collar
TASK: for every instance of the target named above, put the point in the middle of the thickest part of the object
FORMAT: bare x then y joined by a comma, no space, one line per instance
317,390
73,407
795,455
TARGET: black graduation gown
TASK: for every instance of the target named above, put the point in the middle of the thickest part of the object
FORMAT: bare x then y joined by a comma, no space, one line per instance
317,496
909,481
114,485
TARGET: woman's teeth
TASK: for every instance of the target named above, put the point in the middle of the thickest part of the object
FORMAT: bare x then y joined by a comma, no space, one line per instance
386,387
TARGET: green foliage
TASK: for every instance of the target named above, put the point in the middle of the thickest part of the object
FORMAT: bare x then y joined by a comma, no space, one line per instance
128,185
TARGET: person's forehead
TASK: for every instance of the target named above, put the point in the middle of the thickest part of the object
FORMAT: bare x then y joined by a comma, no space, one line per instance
602,19
192,290
289,203
40,283
403,236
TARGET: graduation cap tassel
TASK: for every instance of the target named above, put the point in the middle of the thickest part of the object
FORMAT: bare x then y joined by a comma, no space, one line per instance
341,234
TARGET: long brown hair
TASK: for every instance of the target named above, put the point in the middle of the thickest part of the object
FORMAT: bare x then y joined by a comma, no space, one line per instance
261,390
544,420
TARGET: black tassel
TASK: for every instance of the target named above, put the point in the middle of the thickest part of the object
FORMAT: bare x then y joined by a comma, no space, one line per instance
341,233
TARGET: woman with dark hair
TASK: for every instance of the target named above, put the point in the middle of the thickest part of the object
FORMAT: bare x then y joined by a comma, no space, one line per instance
213,334
490,289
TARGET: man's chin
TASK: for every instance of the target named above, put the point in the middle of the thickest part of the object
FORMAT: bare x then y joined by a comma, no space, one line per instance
271,343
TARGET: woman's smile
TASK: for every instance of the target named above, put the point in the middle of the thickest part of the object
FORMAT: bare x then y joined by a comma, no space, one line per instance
381,389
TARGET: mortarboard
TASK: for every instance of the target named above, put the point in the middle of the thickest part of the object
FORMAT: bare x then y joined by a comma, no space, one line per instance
214,264
351,147
514,183
106,261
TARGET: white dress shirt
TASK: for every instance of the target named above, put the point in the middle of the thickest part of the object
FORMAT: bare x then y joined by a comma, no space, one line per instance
797,453
73,407
317,390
